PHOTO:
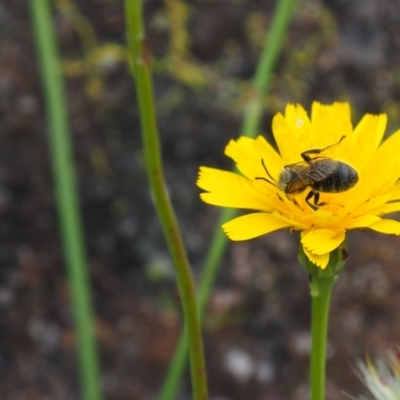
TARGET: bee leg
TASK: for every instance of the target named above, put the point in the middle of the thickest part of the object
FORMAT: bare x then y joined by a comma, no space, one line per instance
309,196
316,202
316,199
393,201
306,155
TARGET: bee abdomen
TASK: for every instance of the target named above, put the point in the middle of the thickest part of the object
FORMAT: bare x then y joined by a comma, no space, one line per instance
343,179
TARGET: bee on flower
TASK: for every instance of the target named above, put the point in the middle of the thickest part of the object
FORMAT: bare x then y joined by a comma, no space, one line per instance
325,179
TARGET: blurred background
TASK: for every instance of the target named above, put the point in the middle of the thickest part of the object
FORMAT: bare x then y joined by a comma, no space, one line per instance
205,53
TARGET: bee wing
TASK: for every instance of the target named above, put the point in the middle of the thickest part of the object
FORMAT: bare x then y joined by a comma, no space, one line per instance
303,178
310,172
322,168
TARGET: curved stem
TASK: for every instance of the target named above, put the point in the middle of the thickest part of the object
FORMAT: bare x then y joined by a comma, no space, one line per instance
251,121
141,62
214,256
321,289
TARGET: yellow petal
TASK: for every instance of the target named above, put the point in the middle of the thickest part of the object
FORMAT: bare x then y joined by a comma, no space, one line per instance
383,169
213,179
389,149
245,156
329,123
389,226
363,221
362,205
254,156
228,189
319,260
250,154
272,160
321,241
366,138
289,131
389,208
297,119
286,139
244,202
253,225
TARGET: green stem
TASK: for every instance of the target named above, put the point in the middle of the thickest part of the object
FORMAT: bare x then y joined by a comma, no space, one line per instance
321,289
67,197
263,76
251,121
214,256
140,59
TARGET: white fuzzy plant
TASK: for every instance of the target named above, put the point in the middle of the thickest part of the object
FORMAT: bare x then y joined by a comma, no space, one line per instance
382,377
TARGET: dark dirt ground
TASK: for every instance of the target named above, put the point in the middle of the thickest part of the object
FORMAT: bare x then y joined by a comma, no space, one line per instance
257,329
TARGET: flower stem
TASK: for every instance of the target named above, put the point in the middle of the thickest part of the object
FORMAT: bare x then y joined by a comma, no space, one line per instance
274,39
67,197
140,61
321,289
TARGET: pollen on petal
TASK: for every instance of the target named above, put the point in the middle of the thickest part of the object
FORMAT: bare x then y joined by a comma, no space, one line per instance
321,241
253,225
297,119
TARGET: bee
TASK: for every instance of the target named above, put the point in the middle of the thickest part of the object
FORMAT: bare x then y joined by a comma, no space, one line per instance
321,174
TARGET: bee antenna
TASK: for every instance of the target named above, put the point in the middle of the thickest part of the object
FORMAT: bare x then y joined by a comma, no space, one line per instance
269,175
266,170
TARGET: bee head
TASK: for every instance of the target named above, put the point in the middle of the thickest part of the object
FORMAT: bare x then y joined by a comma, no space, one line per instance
285,178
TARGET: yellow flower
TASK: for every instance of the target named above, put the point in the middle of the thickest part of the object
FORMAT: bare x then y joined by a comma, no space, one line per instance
324,219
